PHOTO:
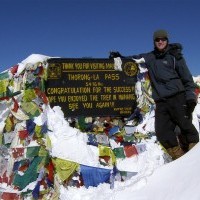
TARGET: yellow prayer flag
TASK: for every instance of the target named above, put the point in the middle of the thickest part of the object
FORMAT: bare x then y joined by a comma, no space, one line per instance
65,168
3,85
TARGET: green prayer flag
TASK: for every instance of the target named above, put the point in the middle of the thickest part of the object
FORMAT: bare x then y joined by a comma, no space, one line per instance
119,152
32,151
128,138
29,175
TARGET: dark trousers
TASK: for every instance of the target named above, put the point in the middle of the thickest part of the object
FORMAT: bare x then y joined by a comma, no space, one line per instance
172,112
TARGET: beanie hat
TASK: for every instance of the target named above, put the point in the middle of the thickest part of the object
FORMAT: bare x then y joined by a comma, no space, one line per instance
160,34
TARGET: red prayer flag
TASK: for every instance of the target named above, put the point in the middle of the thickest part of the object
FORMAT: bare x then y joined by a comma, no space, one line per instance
14,69
130,151
17,152
16,105
23,134
9,195
50,168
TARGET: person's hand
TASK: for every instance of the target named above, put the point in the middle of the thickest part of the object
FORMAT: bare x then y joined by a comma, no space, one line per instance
114,54
191,103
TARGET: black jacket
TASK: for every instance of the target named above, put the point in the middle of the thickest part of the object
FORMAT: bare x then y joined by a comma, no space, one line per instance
169,73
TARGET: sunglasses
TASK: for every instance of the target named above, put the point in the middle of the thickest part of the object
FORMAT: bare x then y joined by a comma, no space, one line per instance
160,39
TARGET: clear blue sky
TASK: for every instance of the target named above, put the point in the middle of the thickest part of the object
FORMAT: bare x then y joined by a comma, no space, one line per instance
91,28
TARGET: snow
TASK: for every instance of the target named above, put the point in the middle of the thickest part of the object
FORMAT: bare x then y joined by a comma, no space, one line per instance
172,181
155,180
175,180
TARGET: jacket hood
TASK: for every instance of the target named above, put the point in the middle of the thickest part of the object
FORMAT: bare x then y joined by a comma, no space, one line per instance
174,49
175,46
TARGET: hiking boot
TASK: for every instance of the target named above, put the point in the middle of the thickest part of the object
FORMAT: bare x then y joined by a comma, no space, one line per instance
178,152
191,145
175,152
170,152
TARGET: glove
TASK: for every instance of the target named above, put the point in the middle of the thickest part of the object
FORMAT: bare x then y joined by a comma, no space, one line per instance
191,103
114,54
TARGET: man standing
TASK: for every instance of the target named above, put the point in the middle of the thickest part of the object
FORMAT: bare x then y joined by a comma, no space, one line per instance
173,91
